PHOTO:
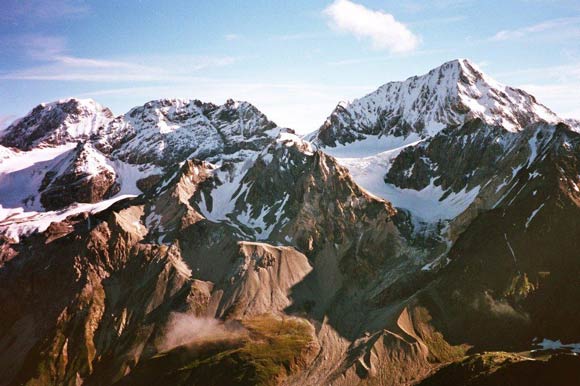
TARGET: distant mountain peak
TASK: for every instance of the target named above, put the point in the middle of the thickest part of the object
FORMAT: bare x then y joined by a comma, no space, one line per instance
165,130
56,123
450,94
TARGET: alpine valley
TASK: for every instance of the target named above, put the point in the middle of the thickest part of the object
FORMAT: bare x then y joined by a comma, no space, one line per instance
427,233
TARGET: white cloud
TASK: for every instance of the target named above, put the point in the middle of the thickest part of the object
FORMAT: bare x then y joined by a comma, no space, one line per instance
381,28
568,25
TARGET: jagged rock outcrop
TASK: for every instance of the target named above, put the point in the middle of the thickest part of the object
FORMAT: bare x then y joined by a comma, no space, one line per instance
84,176
167,131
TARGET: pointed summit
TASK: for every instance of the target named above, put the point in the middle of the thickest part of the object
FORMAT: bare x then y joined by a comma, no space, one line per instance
453,93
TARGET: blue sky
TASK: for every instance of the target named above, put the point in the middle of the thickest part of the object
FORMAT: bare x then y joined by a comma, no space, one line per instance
293,59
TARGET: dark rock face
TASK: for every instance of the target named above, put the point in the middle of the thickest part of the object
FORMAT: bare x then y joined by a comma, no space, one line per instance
73,188
146,184
511,260
456,158
496,369
85,177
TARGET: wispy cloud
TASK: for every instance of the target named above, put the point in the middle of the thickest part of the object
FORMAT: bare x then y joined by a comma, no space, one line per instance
68,68
232,37
86,62
54,63
41,10
568,25
381,28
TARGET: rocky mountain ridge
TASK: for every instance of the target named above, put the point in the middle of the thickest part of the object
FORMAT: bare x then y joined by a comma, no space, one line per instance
166,131
186,242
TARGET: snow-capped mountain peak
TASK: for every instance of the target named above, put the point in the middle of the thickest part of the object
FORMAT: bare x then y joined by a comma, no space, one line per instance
498,104
57,123
167,130
450,94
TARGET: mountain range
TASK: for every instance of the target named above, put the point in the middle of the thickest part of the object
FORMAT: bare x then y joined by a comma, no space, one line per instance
426,233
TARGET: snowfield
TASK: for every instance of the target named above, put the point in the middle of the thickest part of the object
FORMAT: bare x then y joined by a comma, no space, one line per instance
369,172
21,175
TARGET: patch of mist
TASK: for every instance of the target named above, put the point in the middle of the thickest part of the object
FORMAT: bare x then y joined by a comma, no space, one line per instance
498,308
182,329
